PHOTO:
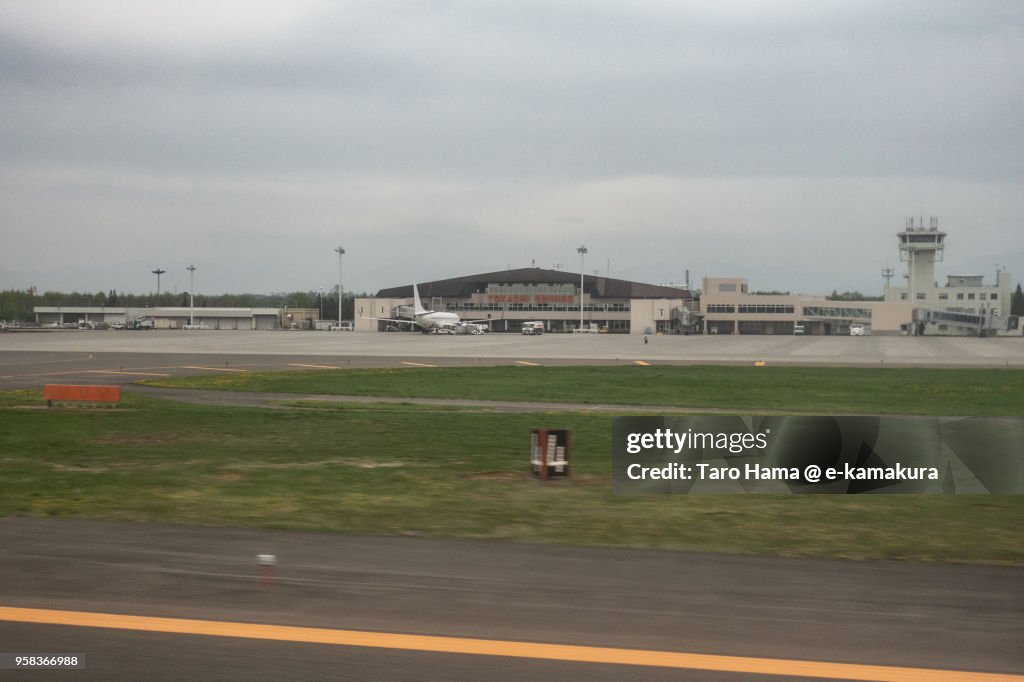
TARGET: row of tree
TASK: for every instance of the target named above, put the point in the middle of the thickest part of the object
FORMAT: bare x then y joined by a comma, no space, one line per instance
18,305
852,296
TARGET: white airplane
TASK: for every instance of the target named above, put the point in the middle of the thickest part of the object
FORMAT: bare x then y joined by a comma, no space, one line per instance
434,320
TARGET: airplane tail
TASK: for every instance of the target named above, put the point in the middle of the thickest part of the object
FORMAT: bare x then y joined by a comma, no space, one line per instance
419,309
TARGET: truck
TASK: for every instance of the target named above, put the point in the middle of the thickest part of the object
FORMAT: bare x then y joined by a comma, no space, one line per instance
533,328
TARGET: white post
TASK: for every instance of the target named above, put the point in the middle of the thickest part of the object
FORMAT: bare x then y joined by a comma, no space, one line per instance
582,251
191,295
341,252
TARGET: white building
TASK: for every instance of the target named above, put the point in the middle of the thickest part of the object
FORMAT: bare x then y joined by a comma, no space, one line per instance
162,317
965,305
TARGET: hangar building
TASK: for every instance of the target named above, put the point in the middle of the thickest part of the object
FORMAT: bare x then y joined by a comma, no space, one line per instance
163,317
508,298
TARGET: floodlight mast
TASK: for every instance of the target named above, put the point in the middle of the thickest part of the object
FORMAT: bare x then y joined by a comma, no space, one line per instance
158,272
191,295
341,252
582,250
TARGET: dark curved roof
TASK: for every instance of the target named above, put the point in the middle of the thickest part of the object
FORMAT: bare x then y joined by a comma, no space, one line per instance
597,287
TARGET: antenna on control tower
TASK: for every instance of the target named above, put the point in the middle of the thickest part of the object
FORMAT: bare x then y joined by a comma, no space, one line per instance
887,273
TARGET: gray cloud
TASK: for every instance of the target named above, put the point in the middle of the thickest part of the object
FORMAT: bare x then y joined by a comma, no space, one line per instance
443,138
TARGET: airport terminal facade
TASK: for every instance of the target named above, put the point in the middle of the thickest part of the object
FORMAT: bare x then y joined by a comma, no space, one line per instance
963,306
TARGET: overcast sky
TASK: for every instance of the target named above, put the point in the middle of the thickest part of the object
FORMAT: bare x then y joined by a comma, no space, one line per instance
784,142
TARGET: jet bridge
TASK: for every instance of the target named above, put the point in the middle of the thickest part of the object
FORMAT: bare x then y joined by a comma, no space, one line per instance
944,322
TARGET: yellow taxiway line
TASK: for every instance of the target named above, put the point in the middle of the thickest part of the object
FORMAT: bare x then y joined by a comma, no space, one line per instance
299,364
527,364
491,647
641,363
417,364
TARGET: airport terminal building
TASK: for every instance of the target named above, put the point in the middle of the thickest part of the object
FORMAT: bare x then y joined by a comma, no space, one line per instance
963,306
506,299
729,307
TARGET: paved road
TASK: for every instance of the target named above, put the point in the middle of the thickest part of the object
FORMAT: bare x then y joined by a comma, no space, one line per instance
887,613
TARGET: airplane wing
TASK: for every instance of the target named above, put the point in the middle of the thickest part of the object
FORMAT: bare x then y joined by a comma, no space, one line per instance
389,319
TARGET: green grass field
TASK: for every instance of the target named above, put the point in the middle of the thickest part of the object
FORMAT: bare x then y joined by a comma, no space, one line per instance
415,470
815,390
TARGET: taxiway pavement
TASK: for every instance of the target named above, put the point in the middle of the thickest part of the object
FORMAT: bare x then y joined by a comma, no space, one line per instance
929,616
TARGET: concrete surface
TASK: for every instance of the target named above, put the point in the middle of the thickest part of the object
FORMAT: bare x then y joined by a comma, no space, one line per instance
905,614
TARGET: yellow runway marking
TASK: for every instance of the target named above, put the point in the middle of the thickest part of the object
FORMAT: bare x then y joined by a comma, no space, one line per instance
641,363
215,369
528,364
299,364
417,364
491,647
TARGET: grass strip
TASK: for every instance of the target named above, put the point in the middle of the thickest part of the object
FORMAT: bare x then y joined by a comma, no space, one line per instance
816,390
415,470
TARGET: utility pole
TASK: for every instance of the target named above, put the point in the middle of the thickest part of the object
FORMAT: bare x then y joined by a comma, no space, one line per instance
582,251
341,252
191,295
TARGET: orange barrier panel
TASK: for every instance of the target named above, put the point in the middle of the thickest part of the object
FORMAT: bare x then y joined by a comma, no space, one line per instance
92,394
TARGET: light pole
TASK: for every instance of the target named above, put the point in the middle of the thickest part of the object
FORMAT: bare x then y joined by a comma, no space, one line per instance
158,272
321,303
582,251
341,252
191,295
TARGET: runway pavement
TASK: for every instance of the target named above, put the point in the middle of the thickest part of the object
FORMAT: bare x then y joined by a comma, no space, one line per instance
822,350
30,359
920,616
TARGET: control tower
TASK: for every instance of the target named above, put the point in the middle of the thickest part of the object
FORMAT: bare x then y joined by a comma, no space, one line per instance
921,247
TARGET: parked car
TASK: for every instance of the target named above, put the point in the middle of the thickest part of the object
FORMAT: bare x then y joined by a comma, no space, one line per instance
856,330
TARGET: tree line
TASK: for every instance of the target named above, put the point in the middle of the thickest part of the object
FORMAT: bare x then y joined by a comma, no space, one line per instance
852,296
18,305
